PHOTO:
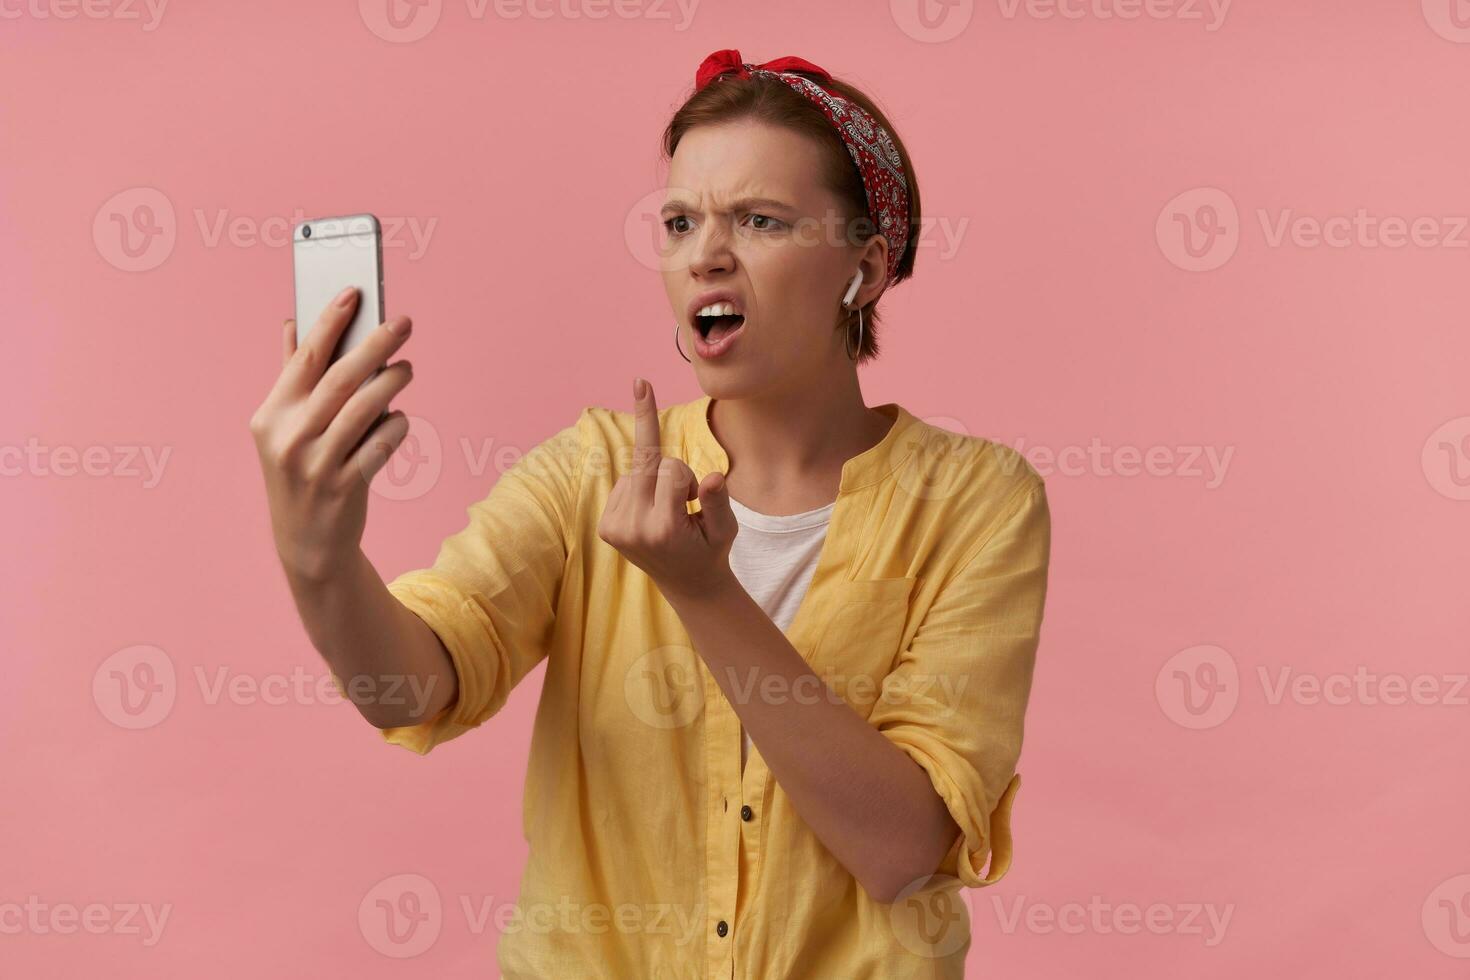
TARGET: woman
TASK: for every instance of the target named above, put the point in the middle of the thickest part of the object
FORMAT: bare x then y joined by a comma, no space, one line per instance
789,637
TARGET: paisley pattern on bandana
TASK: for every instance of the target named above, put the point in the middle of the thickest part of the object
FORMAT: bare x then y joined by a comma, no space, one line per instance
871,147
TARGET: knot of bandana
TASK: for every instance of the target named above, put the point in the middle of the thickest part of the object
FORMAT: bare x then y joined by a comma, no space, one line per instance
868,143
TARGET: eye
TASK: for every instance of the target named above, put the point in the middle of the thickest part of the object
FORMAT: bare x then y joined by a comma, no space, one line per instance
669,224
771,223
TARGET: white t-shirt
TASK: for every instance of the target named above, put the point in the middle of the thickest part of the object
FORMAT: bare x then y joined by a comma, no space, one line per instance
774,558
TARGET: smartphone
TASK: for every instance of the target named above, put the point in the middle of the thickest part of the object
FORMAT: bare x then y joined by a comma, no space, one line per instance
331,254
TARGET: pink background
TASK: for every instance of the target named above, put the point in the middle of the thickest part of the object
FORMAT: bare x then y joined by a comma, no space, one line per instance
1331,834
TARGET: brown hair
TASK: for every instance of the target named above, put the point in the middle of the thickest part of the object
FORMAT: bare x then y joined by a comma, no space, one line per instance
772,101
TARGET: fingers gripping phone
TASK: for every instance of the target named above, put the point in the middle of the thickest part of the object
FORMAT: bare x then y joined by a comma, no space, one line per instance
331,254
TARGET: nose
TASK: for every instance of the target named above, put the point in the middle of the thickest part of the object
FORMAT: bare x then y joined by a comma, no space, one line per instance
710,254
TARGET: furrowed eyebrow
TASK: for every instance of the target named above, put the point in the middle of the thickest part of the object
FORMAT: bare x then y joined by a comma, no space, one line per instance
744,204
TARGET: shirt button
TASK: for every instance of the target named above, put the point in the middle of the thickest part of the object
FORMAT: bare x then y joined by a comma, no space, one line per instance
722,928
746,813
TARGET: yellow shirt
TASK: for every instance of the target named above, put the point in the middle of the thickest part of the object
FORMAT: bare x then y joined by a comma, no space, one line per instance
651,854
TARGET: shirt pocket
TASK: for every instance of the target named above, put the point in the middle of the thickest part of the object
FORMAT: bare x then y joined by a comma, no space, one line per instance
862,637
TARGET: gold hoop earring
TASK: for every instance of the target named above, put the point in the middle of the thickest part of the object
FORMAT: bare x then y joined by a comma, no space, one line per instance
852,355
677,345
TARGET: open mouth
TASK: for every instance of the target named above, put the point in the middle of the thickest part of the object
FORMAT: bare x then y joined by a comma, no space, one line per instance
714,328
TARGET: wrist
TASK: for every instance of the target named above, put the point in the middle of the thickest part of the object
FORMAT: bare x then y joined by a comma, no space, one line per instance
308,574
718,587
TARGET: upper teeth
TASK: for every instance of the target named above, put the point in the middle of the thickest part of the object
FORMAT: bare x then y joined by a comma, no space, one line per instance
717,309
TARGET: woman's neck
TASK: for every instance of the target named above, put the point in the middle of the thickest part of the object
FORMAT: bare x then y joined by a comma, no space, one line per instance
787,451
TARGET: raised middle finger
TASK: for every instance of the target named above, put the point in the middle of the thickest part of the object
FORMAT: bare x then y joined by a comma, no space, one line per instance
646,450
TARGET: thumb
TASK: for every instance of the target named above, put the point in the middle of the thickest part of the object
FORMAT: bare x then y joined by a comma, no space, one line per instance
714,504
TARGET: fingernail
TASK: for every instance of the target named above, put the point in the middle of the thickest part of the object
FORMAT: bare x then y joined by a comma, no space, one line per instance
345,296
400,326
640,387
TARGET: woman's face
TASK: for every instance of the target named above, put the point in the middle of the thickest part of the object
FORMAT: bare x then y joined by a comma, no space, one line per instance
746,216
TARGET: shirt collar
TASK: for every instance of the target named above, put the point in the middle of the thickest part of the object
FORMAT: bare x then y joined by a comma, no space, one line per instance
866,468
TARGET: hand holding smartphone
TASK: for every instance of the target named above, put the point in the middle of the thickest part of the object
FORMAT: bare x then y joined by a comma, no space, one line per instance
322,433
324,430
331,254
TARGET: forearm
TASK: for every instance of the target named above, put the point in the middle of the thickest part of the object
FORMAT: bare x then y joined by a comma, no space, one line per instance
390,664
872,806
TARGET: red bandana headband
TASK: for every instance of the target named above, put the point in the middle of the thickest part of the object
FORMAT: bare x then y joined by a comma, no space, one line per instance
868,142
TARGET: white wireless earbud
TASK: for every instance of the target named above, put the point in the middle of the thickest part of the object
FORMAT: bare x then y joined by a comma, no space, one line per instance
857,280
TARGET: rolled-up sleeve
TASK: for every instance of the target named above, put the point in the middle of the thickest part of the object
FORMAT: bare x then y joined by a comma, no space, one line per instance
956,700
491,594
